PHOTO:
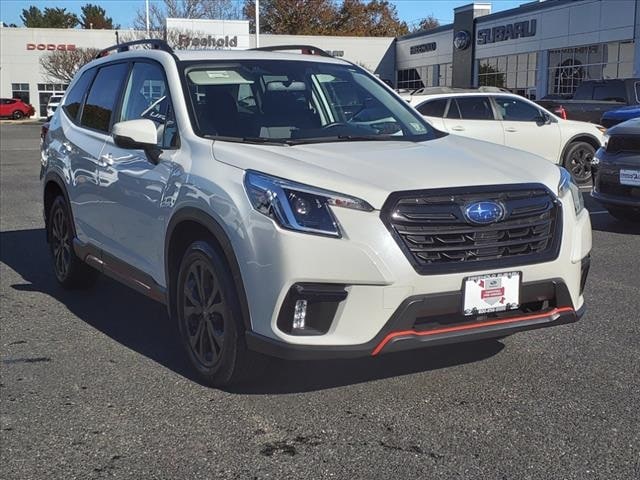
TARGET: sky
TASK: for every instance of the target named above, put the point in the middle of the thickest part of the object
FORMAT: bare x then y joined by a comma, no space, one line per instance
123,11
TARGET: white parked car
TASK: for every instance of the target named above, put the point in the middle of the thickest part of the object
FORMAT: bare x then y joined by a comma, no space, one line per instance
52,104
514,121
293,205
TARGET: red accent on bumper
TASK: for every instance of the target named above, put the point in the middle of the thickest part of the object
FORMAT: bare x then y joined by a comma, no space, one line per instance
470,326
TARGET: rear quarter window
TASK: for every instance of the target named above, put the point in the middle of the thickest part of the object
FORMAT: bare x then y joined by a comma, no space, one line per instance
77,93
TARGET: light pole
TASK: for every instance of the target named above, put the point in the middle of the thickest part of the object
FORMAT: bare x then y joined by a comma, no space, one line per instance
257,23
147,9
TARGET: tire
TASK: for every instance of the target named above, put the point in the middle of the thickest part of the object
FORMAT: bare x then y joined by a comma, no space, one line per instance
211,331
70,270
577,159
17,115
625,214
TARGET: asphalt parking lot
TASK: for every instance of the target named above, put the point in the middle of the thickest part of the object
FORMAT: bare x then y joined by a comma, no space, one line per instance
93,384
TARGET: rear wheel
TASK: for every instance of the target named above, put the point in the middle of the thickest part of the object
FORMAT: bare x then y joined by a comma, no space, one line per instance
577,160
70,270
209,317
17,115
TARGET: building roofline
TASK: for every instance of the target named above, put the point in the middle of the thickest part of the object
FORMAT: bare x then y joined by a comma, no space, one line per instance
525,8
422,33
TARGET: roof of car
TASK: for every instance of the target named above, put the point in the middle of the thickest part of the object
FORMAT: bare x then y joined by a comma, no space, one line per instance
418,99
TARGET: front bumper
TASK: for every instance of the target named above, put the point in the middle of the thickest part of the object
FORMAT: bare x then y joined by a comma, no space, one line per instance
431,320
607,188
378,279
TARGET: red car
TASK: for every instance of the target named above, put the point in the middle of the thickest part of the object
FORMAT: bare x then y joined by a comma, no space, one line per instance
15,108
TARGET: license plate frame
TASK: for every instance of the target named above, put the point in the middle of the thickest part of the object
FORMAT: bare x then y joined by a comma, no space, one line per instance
491,292
629,177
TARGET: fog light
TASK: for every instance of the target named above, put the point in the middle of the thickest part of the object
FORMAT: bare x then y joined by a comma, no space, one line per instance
299,314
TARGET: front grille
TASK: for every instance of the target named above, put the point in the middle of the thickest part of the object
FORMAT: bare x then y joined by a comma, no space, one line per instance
624,143
430,228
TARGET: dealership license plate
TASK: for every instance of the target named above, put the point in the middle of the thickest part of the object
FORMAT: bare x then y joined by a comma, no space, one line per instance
491,293
630,177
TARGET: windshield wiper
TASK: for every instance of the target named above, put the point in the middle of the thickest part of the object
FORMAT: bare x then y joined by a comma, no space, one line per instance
255,140
345,138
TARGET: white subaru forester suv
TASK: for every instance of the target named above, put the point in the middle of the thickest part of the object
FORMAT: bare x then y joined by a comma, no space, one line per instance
294,206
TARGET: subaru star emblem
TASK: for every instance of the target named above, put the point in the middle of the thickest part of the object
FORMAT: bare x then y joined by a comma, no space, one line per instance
484,212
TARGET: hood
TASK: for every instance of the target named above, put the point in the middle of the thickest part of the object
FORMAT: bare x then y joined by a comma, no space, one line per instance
630,127
373,170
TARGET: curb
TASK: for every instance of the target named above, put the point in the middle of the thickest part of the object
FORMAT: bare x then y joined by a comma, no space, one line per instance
29,121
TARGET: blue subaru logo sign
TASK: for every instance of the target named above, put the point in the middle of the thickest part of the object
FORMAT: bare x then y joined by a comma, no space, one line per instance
484,212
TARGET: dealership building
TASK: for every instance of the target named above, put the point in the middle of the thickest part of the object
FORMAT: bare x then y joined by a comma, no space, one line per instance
540,48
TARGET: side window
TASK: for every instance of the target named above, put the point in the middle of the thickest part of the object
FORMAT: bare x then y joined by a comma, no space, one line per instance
103,97
147,96
434,108
454,111
77,93
475,108
613,92
515,110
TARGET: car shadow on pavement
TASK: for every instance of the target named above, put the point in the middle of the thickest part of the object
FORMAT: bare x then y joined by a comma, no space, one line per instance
142,325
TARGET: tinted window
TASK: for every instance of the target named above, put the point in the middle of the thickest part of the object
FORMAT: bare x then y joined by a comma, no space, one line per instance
637,85
103,96
516,110
8,102
475,108
611,92
77,93
147,96
434,108
454,111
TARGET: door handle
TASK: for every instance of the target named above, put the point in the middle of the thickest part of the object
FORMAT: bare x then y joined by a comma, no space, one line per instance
510,129
458,128
105,160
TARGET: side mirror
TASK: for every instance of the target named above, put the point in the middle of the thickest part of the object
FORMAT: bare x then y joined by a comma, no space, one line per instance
543,119
137,134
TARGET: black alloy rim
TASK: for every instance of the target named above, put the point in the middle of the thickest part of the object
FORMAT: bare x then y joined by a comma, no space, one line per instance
60,242
580,164
204,310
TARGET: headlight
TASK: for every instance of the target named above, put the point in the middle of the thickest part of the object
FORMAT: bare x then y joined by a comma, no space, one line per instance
567,184
296,206
601,128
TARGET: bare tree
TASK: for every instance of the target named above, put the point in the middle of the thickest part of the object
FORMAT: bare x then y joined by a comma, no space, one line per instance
62,65
160,11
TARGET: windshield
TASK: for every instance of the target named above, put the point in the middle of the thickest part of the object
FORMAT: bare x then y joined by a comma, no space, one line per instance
294,102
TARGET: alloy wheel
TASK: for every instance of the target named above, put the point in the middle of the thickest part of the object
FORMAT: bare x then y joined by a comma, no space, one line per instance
580,164
60,243
204,311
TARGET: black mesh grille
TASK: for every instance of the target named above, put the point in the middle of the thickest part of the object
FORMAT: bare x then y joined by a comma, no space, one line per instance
432,231
623,143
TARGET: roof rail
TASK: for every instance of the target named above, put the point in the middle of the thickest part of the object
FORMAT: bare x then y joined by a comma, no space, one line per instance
306,49
155,43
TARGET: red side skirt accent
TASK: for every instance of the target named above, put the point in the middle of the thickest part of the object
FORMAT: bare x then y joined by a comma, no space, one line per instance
470,326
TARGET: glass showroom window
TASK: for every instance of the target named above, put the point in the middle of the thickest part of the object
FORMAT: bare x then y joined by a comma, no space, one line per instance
516,73
569,67
21,91
45,91
445,78
409,79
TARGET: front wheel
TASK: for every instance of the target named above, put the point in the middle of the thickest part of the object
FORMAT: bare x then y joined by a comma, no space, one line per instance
209,317
577,160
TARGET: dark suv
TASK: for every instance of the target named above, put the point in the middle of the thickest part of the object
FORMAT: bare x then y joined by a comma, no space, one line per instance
617,167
